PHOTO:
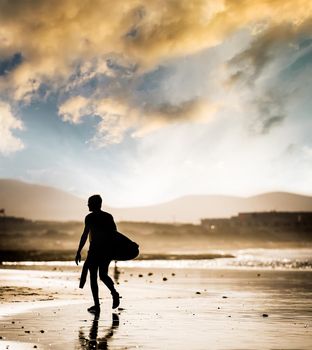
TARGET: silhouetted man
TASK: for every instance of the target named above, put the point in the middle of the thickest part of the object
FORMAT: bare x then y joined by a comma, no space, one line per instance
100,227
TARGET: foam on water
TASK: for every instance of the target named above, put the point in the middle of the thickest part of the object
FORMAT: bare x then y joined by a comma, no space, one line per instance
247,258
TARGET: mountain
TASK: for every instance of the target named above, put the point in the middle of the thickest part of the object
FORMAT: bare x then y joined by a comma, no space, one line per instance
194,208
39,202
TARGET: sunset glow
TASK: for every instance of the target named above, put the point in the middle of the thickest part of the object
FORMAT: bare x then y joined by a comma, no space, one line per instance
145,101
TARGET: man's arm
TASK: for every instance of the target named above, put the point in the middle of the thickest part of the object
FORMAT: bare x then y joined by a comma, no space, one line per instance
83,240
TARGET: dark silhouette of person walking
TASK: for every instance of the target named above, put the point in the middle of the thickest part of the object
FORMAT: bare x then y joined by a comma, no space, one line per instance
101,228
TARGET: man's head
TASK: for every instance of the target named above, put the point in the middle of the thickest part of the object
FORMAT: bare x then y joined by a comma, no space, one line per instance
95,202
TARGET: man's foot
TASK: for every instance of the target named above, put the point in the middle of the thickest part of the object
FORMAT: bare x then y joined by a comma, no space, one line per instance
95,309
116,301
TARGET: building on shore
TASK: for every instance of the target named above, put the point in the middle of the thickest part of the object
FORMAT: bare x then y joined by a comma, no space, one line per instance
264,221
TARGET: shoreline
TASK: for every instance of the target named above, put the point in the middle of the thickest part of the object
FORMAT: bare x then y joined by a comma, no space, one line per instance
10,255
37,255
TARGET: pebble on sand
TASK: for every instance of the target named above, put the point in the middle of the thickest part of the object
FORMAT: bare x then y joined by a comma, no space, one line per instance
165,279
150,274
265,315
224,297
140,275
198,292
42,331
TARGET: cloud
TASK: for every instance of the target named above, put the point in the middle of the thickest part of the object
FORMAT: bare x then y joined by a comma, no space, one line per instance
268,111
8,122
98,51
74,109
260,70
155,117
112,124
54,37
276,41
116,117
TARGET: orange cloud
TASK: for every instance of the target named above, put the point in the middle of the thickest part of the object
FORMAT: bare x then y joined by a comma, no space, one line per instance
117,116
58,38
53,36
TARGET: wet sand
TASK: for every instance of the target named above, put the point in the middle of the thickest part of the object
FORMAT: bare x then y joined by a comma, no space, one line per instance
168,309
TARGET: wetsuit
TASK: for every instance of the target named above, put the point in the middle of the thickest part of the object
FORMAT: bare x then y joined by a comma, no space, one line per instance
101,228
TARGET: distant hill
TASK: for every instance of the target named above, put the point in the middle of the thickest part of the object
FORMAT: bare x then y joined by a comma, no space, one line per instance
39,202
47,203
193,208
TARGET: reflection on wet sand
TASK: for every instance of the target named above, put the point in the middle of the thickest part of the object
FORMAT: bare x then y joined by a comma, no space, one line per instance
116,273
93,341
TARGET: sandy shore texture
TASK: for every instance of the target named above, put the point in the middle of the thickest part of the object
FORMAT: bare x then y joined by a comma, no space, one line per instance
160,309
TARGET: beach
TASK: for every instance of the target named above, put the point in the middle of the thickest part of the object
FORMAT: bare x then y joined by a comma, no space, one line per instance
161,308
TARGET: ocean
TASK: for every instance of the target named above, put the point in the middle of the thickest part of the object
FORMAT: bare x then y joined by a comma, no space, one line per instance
299,258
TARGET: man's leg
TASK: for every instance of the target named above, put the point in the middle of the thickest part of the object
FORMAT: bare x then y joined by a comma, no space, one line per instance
94,285
103,272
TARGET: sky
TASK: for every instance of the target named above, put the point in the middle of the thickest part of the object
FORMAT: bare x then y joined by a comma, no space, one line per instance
146,101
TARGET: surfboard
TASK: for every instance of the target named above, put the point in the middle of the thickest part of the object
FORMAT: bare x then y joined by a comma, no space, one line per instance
123,248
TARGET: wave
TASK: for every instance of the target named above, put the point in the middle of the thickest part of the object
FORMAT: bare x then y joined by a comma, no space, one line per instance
222,263
299,259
